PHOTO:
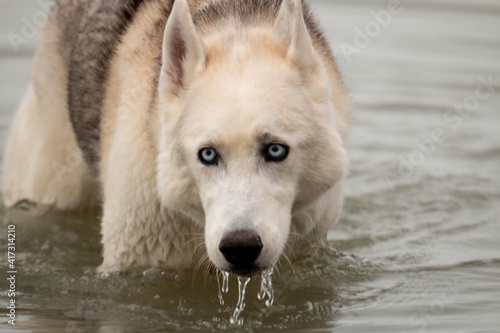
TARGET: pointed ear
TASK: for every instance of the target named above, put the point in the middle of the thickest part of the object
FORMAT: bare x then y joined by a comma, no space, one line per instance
290,32
183,51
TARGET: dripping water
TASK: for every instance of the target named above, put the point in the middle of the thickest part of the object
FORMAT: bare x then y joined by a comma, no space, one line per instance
225,286
221,299
266,287
242,286
225,282
266,292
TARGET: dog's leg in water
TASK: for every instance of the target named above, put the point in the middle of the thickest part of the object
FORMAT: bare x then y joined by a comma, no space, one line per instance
42,162
136,230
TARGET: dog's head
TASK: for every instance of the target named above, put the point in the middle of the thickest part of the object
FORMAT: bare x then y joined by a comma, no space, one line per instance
248,136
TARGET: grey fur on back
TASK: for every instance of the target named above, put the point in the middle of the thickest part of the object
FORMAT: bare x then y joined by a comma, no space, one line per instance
93,30
93,47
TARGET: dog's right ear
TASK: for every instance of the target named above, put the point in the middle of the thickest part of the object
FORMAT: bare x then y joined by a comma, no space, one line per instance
183,51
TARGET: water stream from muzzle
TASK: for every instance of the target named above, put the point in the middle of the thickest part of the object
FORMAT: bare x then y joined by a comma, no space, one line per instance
266,287
266,292
242,286
225,286
225,282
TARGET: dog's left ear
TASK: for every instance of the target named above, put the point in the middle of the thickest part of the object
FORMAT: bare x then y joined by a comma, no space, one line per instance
183,50
290,32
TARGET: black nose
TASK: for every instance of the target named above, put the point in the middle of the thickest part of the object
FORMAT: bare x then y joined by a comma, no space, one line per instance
241,248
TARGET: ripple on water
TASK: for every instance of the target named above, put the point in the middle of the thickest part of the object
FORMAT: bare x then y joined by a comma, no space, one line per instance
308,294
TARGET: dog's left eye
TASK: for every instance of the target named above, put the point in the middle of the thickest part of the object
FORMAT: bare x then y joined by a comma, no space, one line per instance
208,156
276,153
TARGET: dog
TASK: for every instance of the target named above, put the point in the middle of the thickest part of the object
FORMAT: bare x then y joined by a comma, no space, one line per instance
206,129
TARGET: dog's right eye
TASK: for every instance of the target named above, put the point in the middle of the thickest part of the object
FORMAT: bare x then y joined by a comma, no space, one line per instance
208,156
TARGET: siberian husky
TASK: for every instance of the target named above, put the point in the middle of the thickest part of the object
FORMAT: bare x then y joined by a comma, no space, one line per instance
220,121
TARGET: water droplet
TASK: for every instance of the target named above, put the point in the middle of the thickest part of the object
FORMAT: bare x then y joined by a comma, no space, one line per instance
242,286
266,287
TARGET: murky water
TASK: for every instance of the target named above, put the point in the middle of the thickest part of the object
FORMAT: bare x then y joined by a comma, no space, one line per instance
418,247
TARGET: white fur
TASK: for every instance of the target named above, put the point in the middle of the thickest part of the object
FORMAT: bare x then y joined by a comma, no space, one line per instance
42,161
271,85
231,106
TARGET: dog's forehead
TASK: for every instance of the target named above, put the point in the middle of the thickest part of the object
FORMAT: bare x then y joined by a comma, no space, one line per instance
252,98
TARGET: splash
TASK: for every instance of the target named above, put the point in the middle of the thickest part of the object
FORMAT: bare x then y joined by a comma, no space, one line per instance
266,287
242,286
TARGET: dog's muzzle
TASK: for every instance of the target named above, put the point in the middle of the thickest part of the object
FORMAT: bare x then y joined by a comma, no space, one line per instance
241,249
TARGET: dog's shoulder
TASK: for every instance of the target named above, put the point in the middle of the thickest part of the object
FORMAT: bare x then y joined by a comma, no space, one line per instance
90,33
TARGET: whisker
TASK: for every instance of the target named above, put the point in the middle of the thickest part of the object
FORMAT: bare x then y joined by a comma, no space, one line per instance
289,262
207,275
302,237
278,269
202,260
199,246
192,240
193,234
291,249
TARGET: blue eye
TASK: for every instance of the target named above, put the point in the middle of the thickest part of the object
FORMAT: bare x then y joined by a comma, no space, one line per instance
208,156
276,153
